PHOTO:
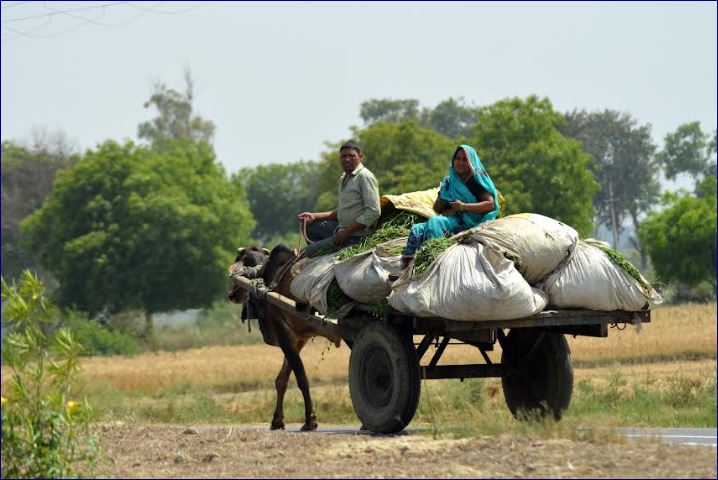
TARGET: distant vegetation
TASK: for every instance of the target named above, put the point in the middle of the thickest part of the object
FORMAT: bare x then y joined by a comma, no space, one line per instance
151,227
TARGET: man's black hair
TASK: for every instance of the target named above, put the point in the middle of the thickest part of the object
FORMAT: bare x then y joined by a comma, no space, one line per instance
350,144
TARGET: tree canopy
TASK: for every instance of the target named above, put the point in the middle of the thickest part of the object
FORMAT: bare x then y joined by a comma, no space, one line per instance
450,117
175,115
535,167
687,150
275,191
681,239
28,174
388,110
623,163
132,227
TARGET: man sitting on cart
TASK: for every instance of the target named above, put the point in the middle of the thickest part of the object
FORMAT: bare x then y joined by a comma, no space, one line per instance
357,206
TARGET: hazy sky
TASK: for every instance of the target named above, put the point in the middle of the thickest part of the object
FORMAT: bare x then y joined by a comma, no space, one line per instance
280,79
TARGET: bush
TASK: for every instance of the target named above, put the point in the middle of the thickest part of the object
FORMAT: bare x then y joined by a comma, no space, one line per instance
129,322
44,433
220,325
677,294
98,339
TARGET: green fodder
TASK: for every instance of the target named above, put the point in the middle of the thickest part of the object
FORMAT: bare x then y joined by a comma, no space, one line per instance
516,261
622,262
400,218
391,226
382,308
428,252
336,298
324,251
393,251
381,235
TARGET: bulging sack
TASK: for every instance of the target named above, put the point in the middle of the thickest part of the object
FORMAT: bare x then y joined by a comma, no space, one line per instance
312,282
420,202
591,280
537,244
364,277
470,282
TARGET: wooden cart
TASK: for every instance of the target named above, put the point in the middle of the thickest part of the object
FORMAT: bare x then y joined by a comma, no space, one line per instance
387,365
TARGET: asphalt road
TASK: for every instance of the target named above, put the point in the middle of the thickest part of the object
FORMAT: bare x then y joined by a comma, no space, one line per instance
683,436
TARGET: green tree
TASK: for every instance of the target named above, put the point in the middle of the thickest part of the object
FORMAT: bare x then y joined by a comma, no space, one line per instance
132,227
681,239
404,157
28,174
623,163
277,193
388,110
175,119
534,166
711,154
451,117
687,150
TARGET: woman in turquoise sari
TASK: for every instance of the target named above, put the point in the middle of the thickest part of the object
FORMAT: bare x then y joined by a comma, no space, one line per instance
467,197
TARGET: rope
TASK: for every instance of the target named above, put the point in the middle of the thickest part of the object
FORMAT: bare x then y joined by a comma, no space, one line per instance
302,234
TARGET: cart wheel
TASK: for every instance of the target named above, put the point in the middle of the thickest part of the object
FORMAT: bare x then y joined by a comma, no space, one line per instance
544,380
384,381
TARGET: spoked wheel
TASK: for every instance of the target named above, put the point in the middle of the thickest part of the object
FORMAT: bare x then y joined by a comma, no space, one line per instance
384,381
542,382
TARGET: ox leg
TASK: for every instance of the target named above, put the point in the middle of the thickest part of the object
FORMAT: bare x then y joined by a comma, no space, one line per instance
281,384
291,353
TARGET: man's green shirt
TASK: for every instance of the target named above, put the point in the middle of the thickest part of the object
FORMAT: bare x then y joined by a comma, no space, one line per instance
358,198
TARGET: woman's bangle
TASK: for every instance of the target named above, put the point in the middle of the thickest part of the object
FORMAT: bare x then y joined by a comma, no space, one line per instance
461,207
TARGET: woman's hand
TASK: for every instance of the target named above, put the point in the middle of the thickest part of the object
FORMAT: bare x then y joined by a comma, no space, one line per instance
458,206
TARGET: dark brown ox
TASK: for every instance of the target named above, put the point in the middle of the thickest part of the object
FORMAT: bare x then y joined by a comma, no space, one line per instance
288,332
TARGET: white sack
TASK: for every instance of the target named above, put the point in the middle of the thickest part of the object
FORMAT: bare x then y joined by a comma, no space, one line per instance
312,282
469,282
364,277
539,244
591,280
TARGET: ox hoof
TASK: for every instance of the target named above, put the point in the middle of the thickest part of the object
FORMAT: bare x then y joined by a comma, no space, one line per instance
277,425
309,427
311,424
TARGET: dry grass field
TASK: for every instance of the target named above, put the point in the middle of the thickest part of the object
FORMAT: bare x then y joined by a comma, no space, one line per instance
675,333
663,374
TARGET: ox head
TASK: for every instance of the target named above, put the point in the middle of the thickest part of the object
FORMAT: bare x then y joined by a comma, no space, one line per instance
246,257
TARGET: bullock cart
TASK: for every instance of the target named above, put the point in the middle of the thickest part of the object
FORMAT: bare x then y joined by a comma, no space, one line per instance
391,354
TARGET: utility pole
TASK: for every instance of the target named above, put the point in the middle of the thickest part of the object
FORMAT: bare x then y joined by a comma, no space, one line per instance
611,201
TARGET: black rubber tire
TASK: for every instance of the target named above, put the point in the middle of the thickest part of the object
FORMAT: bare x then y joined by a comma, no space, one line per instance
544,382
384,381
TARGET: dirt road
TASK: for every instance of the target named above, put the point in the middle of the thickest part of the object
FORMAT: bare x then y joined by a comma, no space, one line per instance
161,451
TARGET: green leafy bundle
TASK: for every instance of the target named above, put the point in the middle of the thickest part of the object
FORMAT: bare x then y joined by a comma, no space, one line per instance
428,252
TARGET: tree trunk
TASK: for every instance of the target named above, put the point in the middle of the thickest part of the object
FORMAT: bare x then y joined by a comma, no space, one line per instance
636,243
149,330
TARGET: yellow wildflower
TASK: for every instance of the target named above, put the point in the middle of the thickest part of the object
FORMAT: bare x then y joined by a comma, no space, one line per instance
72,406
4,400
